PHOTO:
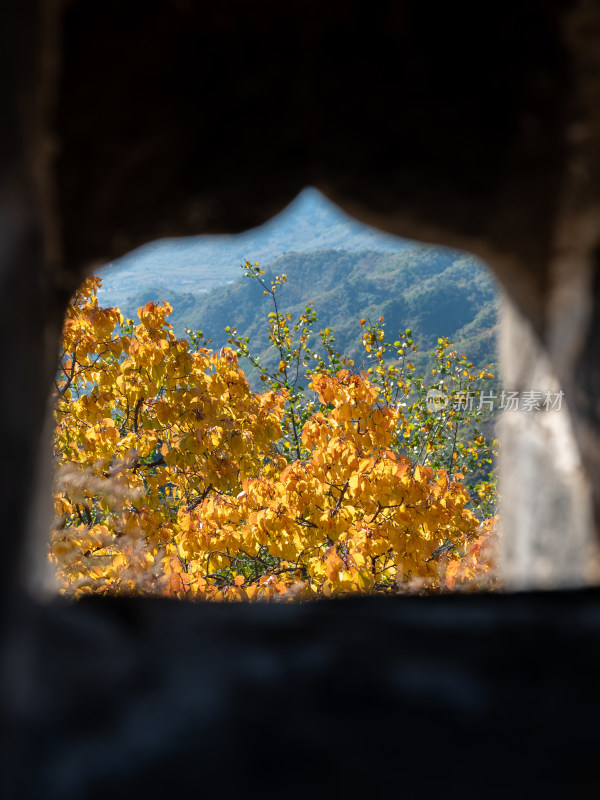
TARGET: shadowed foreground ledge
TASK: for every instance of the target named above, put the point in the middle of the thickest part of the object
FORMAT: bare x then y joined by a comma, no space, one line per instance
361,697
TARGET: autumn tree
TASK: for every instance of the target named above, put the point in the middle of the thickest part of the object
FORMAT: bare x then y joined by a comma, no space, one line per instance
174,477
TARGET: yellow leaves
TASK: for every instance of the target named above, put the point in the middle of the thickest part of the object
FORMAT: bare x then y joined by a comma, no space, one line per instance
377,417
423,474
339,488
214,436
333,563
402,471
284,548
163,412
153,316
62,547
89,439
475,567
324,388
354,482
207,506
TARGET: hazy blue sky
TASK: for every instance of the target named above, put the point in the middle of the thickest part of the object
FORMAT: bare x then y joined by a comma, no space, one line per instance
309,223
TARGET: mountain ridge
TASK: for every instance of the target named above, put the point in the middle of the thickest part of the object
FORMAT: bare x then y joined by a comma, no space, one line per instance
434,291
309,223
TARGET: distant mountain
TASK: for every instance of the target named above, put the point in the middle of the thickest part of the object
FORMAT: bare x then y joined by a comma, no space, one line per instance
309,223
435,291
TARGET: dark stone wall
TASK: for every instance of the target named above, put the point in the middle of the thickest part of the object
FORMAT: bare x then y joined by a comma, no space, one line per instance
469,125
445,696
366,697
181,117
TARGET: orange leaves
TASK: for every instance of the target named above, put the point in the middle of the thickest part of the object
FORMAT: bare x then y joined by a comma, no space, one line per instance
475,568
204,503
353,491
153,316
333,564
324,389
423,474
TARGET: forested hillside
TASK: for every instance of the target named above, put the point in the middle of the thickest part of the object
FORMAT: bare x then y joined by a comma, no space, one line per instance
435,291
198,263
175,479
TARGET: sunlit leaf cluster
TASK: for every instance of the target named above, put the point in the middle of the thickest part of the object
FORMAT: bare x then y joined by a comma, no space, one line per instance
174,478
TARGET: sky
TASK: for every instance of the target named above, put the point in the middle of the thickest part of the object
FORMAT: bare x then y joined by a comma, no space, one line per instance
311,222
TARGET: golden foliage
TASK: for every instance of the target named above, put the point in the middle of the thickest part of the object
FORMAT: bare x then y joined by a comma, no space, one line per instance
174,478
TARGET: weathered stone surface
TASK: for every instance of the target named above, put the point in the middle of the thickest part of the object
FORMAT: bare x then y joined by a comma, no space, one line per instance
357,698
547,513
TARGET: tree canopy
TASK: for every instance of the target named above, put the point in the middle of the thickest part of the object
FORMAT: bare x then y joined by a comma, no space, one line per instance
174,478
